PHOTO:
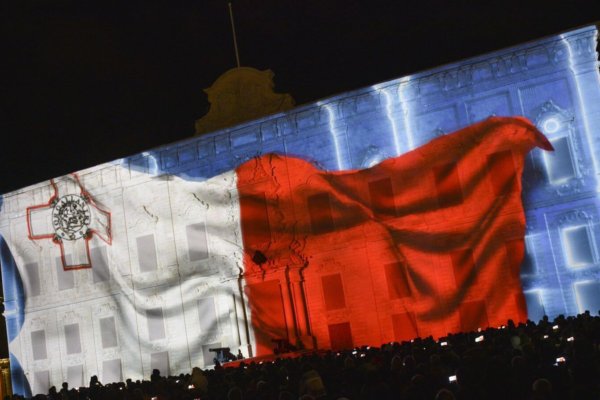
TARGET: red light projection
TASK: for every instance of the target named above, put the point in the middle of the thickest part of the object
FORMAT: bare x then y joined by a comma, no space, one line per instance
421,244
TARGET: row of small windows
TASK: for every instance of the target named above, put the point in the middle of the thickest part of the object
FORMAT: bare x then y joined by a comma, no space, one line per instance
155,321
560,164
66,279
197,247
578,246
147,257
112,370
587,298
397,276
448,190
108,334
578,249
472,314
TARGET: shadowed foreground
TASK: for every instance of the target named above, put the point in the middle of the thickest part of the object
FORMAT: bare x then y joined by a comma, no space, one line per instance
547,360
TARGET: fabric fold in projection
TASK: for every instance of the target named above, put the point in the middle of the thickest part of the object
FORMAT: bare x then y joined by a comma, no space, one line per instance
447,215
426,243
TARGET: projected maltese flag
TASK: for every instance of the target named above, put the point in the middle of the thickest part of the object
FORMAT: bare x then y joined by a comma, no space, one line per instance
426,243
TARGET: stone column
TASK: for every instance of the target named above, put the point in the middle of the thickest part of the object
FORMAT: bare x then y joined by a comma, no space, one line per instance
301,307
243,323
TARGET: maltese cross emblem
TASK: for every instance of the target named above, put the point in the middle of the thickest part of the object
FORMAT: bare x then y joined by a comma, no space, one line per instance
71,219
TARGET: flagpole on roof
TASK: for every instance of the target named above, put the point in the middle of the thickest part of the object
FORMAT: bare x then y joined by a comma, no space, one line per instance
235,47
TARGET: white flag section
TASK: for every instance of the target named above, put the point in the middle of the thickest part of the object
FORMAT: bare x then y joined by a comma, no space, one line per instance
125,277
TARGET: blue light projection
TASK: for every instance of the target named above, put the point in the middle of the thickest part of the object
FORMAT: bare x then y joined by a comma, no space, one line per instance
334,135
391,111
554,82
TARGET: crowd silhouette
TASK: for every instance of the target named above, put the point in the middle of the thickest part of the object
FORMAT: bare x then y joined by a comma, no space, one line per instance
557,359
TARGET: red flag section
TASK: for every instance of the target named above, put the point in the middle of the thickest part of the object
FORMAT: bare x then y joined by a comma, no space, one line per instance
426,243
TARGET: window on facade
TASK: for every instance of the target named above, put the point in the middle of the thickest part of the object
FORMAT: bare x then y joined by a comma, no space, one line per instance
160,361
340,336
33,278
111,371
38,345
578,246
447,185
146,253
535,306
75,376
41,382
108,332
100,269
588,296
397,281
255,220
197,243
72,339
319,209
382,198
333,291
560,165
66,279
207,315
156,324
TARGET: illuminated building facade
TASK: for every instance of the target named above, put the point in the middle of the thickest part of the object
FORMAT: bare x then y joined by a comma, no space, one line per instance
167,283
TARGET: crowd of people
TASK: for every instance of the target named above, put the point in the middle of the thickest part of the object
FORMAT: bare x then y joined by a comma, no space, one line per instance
557,359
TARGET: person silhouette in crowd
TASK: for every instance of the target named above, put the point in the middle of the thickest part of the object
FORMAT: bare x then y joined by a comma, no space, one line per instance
155,377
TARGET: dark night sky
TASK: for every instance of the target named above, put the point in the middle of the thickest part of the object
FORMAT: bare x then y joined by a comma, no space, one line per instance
85,82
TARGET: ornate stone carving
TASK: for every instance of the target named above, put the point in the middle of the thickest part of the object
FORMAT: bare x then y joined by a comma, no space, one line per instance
583,47
241,94
574,216
154,299
550,111
105,309
373,155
